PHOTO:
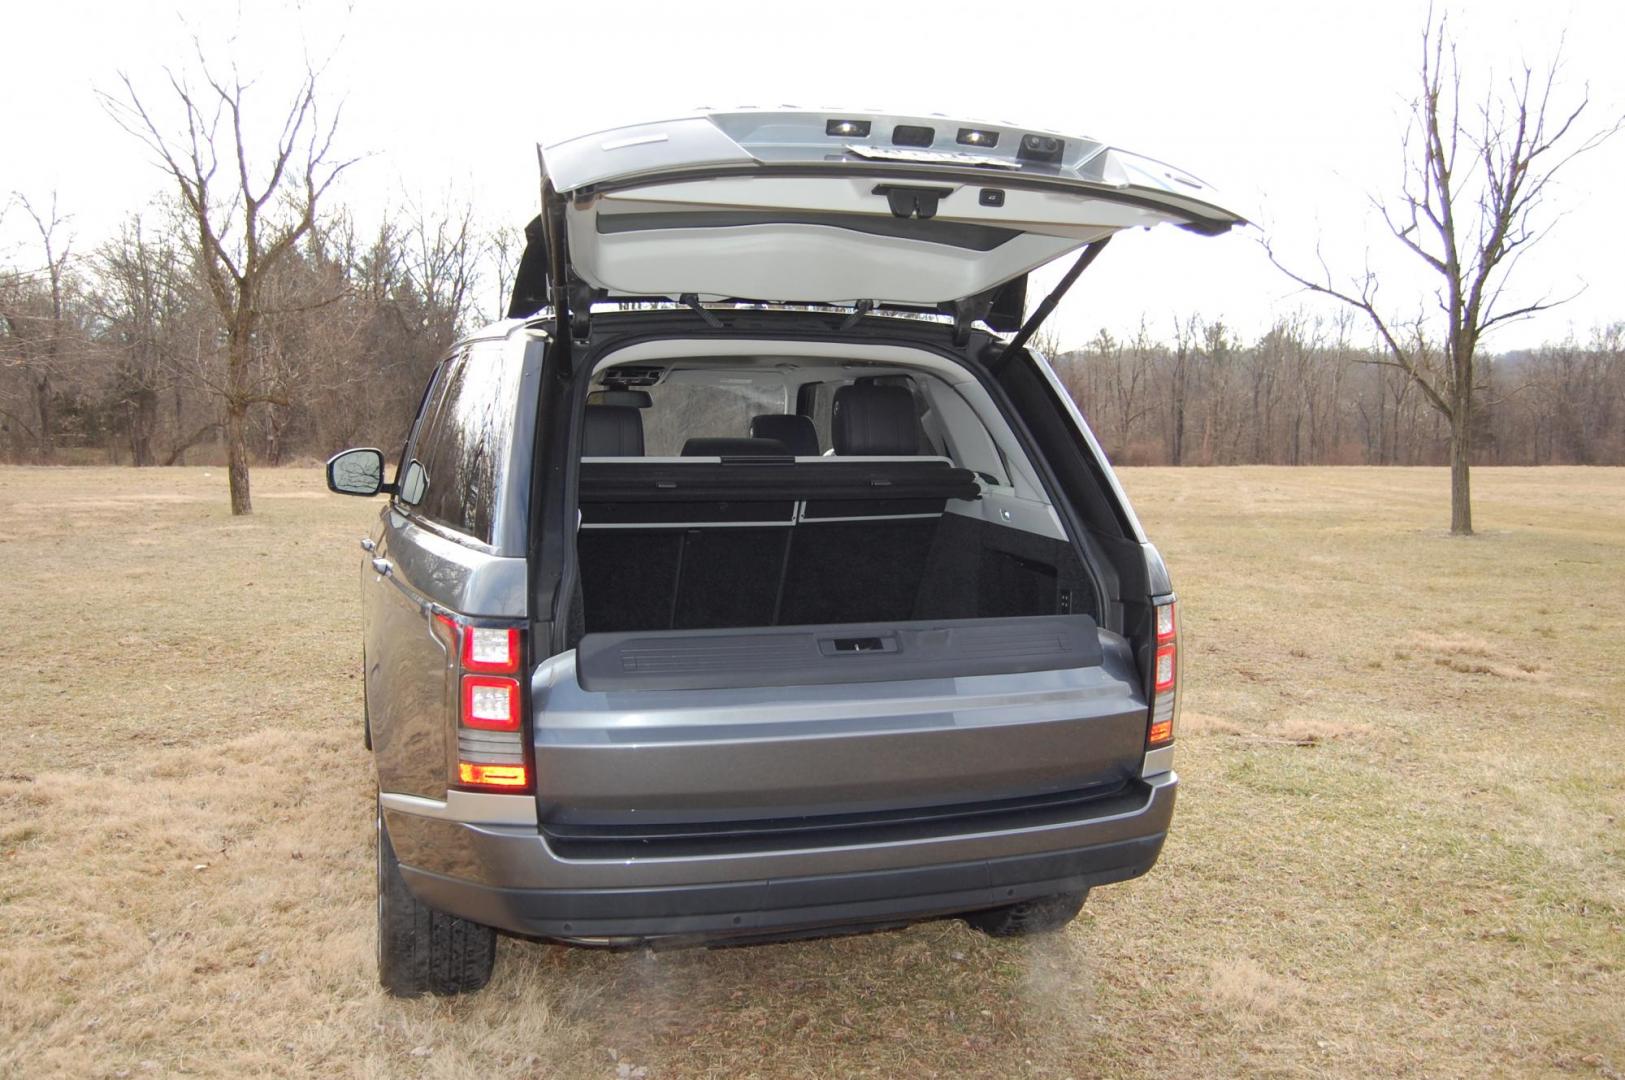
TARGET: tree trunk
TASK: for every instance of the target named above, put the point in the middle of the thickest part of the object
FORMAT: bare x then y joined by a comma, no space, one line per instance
1461,504
42,406
1461,443
143,415
237,457
276,435
239,339
1177,450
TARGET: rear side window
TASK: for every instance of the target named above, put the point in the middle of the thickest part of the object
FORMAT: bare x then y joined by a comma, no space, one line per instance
821,398
461,450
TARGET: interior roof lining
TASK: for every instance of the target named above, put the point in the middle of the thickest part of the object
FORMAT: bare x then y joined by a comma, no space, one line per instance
768,349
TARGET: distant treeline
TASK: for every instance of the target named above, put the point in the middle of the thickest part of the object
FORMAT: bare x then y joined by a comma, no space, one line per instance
1306,393
116,355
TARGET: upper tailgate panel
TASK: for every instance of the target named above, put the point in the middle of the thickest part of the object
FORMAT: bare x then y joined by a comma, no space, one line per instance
814,206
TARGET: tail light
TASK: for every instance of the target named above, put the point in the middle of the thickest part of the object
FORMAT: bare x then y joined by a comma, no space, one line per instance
490,703
1164,677
490,706
470,774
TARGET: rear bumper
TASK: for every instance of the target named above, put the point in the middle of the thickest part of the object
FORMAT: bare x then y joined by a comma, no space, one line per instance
506,876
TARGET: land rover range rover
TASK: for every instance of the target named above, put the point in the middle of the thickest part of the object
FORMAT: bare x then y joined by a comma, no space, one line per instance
755,578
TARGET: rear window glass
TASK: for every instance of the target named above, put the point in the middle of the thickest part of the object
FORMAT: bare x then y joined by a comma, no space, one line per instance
706,404
463,441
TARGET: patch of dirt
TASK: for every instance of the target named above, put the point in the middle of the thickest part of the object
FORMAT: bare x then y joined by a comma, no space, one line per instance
1249,995
1451,644
1304,731
1198,723
1475,656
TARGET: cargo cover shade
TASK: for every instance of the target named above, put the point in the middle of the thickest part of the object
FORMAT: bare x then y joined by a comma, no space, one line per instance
838,653
858,210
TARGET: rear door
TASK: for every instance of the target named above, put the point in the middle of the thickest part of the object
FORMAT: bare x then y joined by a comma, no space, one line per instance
407,665
447,546
798,206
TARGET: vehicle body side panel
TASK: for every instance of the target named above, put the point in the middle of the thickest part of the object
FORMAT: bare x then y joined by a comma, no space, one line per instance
428,569
409,669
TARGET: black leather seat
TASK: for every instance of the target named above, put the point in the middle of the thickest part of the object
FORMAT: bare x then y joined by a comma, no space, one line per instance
726,447
796,432
612,431
874,420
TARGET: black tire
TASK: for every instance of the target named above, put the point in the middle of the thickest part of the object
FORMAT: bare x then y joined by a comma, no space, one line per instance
420,950
1041,915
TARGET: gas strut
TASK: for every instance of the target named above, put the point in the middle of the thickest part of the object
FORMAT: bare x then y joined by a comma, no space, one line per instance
1044,308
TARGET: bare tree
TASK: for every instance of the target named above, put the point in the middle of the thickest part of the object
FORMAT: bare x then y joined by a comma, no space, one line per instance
34,315
442,264
1047,343
1179,386
1473,200
246,218
142,302
504,245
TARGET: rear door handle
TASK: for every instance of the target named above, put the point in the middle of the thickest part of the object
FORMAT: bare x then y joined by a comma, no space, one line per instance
382,566
367,544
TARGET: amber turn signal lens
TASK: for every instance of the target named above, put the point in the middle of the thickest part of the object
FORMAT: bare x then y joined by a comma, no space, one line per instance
506,776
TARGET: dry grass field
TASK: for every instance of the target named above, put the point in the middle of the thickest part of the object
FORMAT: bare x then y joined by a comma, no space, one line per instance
1399,849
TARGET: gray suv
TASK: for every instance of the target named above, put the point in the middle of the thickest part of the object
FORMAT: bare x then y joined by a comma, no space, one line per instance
754,580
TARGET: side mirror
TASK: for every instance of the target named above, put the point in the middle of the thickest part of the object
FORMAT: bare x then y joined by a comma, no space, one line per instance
357,472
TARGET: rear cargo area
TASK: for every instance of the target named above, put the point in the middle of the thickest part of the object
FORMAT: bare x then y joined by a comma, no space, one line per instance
813,571
861,617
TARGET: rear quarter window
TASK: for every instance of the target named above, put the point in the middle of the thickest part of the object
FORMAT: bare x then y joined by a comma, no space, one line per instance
464,439
822,401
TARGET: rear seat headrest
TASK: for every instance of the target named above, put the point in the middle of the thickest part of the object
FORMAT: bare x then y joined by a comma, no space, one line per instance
796,432
703,447
612,431
875,420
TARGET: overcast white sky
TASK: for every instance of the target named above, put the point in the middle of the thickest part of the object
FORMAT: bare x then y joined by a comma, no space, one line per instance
1293,109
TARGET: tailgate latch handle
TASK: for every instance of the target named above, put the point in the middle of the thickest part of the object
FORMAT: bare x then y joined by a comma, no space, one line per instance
846,646
907,201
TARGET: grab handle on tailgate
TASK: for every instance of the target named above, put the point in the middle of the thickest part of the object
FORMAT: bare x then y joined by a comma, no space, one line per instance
849,646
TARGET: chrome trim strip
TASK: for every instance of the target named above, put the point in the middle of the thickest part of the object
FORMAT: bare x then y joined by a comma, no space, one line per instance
469,807
782,522
1158,761
868,517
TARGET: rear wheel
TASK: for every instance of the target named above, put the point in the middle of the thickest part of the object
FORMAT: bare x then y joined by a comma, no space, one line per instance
420,950
1041,915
